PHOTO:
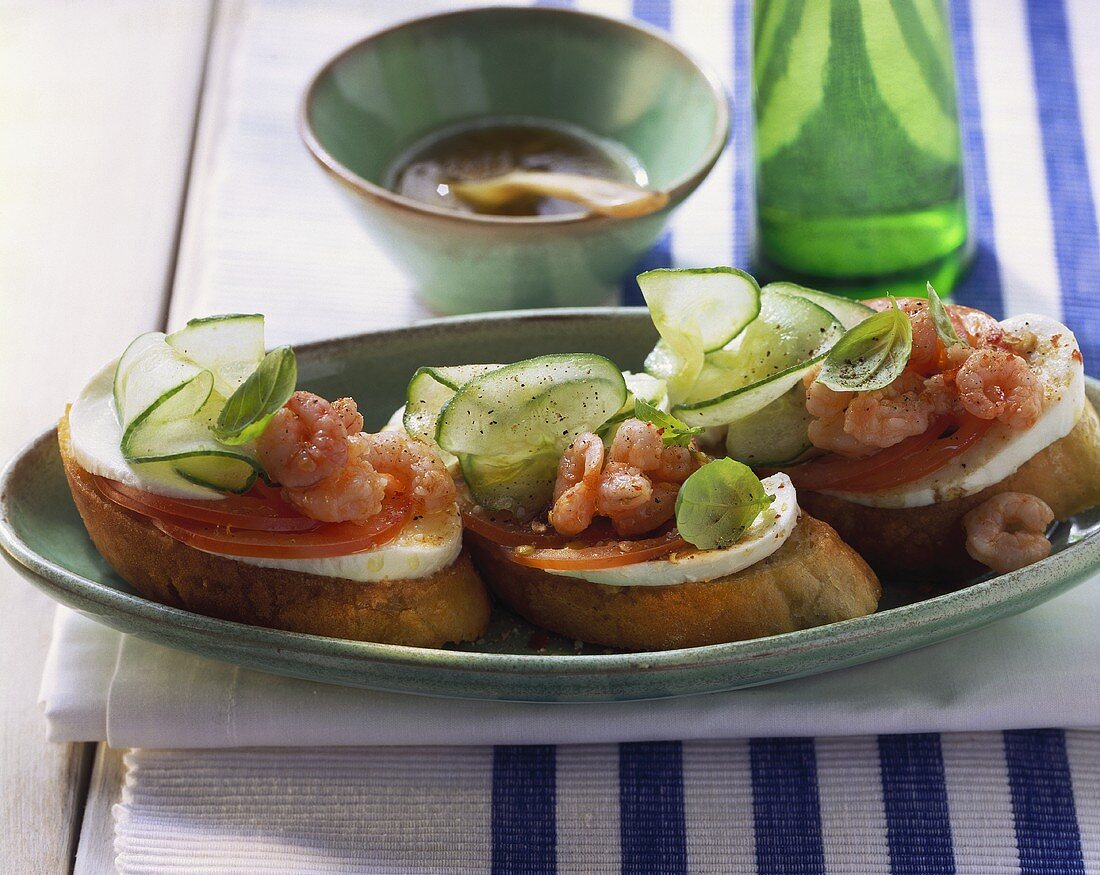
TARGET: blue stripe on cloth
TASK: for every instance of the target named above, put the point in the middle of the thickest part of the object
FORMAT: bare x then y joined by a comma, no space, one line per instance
1047,834
914,795
741,134
651,808
1076,237
785,807
524,825
981,287
655,12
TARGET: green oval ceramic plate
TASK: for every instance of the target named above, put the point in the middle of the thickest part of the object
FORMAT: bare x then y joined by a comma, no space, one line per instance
45,540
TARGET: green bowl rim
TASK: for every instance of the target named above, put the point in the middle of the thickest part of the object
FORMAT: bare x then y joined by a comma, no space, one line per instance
677,191
1001,591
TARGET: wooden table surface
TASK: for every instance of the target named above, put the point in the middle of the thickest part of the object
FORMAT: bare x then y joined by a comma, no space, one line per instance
90,218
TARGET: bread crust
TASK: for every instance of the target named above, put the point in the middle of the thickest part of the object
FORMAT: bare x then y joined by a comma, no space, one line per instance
813,579
450,605
904,543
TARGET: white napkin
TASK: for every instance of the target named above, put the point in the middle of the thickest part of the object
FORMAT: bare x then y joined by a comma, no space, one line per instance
1040,668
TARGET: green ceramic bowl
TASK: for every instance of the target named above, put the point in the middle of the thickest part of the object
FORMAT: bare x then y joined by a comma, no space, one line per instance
44,539
623,82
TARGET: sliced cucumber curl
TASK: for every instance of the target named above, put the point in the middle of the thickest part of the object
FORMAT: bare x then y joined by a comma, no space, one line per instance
509,427
169,391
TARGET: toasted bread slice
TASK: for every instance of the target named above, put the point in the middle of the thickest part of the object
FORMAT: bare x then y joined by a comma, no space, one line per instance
451,605
813,579
903,543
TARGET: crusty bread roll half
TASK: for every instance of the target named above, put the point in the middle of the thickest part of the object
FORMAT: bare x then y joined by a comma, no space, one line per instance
451,605
813,579
922,541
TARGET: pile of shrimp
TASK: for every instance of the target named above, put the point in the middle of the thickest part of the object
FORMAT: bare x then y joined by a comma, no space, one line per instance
333,471
984,376
634,484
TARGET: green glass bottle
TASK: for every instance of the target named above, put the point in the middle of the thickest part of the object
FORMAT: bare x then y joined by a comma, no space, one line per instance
859,182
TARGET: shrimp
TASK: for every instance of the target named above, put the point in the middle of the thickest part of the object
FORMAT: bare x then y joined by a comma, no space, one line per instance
825,403
348,413
639,444
658,510
829,434
635,487
888,416
622,488
925,353
353,494
378,466
575,490
306,441
996,384
416,469
1008,531
940,391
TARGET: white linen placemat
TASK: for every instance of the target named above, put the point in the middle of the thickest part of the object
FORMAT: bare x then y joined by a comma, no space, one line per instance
1040,668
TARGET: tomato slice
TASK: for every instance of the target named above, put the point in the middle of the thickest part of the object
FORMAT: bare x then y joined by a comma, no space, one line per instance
902,463
507,532
327,540
924,461
261,509
612,554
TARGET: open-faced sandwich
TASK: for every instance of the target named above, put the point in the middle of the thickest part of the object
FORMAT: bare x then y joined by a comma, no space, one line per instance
932,437
210,484
948,434
591,512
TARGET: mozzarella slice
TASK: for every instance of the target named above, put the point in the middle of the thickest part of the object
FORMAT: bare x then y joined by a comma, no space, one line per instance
766,535
423,547
1056,362
96,437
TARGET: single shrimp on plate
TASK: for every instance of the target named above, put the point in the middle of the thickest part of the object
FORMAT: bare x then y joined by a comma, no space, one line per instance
1008,531
997,384
306,440
577,485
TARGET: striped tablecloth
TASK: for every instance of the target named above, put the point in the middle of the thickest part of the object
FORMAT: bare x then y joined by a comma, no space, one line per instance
1023,801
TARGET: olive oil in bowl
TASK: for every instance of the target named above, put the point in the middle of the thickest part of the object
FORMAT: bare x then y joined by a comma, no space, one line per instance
491,148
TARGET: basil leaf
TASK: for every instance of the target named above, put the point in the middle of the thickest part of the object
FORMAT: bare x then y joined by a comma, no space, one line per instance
940,320
718,502
248,410
673,432
871,355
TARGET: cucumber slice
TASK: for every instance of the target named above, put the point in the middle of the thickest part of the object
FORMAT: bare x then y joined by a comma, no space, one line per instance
774,435
695,312
647,387
849,312
784,343
509,426
166,406
429,389
154,384
214,471
231,347
189,443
